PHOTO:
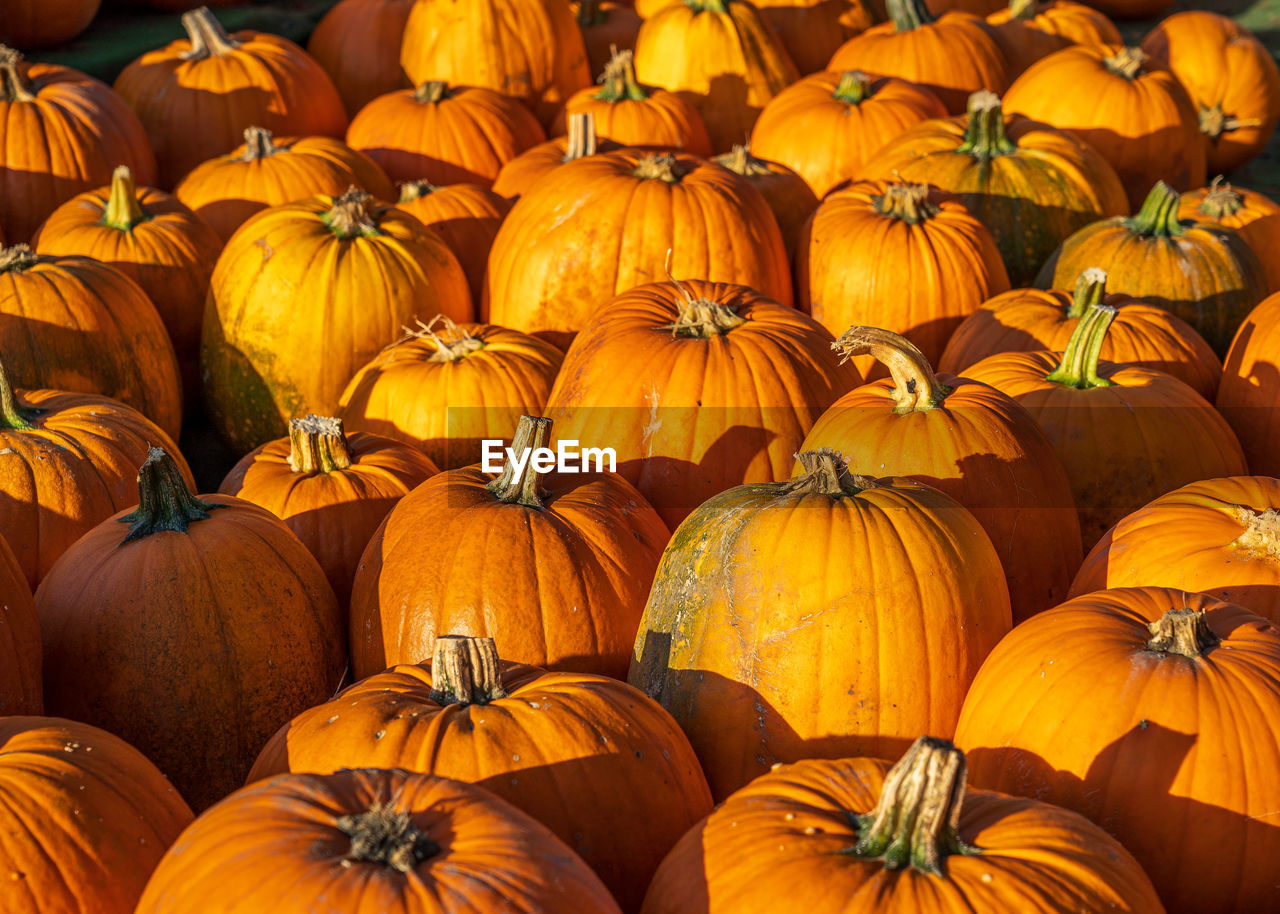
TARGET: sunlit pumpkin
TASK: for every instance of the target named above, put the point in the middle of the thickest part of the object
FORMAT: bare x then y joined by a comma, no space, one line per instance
1028,30
787,194
528,168
465,216
1250,391
1250,213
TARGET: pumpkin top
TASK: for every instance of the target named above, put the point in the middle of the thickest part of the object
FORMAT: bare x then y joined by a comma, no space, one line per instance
1158,216
915,387
387,837
124,210
659,166
1023,10
523,487
465,670
581,136
1127,62
700,317
13,415
740,161
164,501
1261,536
619,78
350,216
1079,365
984,136
318,444
1214,122
17,257
908,202
412,190
907,15
826,472
853,88
431,92
1090,289
208,37
1222,200
258,145
451,341
1182,631
14,85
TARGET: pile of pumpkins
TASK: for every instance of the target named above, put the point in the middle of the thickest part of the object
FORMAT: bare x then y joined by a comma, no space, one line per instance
937,565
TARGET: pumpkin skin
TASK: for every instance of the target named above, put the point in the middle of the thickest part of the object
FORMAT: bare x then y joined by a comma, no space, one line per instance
31,25
266,171
446,389
608,28
1231,77
578,753
282,338
828,127
560,567
443,134
787,194
331,490
370,840
61,133
1246,211
465,216
743,710
1250,389
197,95
20,689
1203,272
819,834
528,168
1172,809
721,56
350,43
86,818
1028,31
1033,186
1147,129
548,275
260,637
812,30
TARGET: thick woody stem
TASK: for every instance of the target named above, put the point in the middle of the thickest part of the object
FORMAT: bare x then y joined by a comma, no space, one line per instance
317,444
208,37
14,85
164,501
1182,631
915,387
465,670
523,487
386,837
826,472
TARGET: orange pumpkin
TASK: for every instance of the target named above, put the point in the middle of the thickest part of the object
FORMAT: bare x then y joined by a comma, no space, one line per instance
1248,212
20,689
32,24
526,169
351,43
812,30
61,133
197,95
787,194
1029,30
465,216
554,745
1250,391
608,27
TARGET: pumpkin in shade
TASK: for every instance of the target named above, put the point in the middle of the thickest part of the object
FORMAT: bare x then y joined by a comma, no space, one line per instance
1248,212
1131,9
1030,184
197,95
1145,709
526,169
446,388
351,43
698,387
32,24
20,689
828,127
465,216
1249,394
210,626
1231,77
283,338
906,257
952,55
1122,432
835,837
1033,320
763,652
608,27
86,818
75,324
559,565
970,442
370,840
579,753
549,275
720,55
61,133
444,134
331,490
268,171
630,114
787,194
812,30
1201,271
1029,30
1128,107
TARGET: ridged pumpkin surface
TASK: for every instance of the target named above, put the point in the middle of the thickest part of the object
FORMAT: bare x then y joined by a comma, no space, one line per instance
21,691
1250,391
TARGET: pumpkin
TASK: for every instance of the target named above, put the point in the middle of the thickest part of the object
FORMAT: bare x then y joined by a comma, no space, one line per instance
908,258
720,55
698,387
970,442
73,323
952,55
209,627
195,96
86,818
812,30
787,194
1250,389
731,646
1121,431
351,43
20,689
1201,271
61,133
1131,9
444,134
1128,107
331,490
1246,211
548,274
828,127
446,388
267,171
370,840
554,745
1167,702
30,24
529,49
630,114
526,169
1029,30
283,338
1030,184
1031,320
1231,77
608,27
465,216
559,565
836,836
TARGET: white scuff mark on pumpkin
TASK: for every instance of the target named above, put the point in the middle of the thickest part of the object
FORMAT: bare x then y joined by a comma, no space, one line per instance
267,251
654,423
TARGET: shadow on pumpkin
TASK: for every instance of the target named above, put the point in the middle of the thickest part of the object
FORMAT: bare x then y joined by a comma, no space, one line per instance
396,161
27,193
1257,427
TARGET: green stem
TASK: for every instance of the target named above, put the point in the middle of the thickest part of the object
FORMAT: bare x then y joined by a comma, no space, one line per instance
1079,365
1221,201
854,87
706,6
619,80
164,501
908,15
14,415
915,387
123,210
523,488
1022,10
1158,216
1091,288
984,137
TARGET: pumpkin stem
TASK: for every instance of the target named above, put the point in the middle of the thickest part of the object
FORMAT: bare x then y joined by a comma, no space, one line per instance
706,6
908,202
430,92
208,37
1022,10
915,387
317,444
854,87
521,488
659,166
917,818
907,15
412,190
1091,287
349,217
582,136
164,501
465,670
740,161
1214,122
452,342
700,317
1261,536
619,79
984,137
1127,62
824,471
123,210
1159,213
387,837
257,144
1079,365
18,257
1182,631
14,415
14,84
1221,201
